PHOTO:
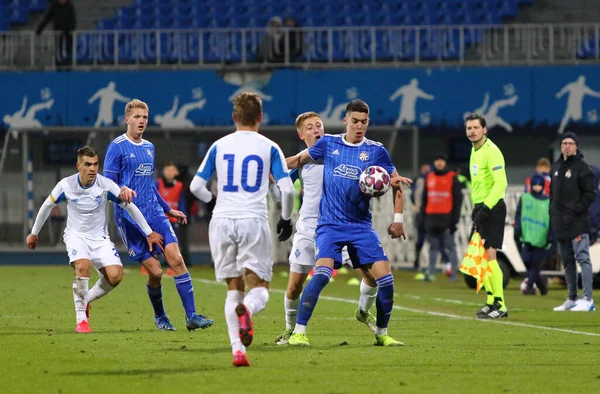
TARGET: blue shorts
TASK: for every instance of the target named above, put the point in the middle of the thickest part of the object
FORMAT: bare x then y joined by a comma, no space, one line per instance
364,245
135,239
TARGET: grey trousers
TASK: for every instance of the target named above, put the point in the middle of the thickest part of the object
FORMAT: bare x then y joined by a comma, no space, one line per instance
577,251
438,242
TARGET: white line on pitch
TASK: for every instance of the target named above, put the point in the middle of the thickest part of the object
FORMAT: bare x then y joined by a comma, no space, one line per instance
431,313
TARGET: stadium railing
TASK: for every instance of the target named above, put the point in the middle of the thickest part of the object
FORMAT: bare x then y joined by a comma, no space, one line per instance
384,46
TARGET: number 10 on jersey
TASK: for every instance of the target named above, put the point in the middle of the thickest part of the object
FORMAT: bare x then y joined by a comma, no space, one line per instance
230,186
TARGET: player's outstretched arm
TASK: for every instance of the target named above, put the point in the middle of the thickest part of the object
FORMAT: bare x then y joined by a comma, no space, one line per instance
199,189
299,160
397,180
43,214
284,226
40,219
180,216
152,237
396,229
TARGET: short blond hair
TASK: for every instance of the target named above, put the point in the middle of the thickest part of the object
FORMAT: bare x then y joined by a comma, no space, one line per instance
303,117
247,108
133,104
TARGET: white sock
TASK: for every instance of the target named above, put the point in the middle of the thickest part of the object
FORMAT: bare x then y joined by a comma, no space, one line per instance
256,300
100,289
291,310
368,295
80,289
300,329
234,297
381,331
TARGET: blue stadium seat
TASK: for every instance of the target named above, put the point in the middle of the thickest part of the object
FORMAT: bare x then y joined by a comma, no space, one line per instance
19,15
38,5
4,23
207,14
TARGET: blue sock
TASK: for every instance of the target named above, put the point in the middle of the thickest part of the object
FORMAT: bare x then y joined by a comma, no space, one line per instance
385,300
155,295
310,295
183,283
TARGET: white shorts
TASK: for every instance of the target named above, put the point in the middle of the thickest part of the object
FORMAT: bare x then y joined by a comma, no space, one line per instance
101,253
239,244
302,257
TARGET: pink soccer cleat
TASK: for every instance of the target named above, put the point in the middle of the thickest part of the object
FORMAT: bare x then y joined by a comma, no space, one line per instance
83,327
240,359
246,329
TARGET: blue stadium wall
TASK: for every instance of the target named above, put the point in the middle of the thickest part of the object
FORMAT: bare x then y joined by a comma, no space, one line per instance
523,97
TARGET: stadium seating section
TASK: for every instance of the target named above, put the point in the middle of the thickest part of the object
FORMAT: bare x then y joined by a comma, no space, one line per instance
138,44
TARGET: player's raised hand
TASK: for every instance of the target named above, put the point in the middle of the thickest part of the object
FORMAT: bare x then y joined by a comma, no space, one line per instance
284,229
32,241
397,180
396,230
127,194
155,239
180,216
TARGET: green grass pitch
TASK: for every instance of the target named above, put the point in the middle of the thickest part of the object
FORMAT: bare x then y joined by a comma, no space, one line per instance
447,350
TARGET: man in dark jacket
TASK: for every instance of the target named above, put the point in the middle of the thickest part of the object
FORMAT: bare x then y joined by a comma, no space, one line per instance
440,210
571,193
62,12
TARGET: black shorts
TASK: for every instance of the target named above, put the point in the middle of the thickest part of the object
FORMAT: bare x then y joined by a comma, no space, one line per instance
492,230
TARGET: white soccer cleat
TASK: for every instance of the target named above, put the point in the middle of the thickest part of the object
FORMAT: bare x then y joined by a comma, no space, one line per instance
584,305
566,306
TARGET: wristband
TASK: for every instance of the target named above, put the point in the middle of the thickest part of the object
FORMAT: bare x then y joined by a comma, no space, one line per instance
398,218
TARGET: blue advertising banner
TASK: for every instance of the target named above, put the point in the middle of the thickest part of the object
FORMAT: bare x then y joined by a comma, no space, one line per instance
518,99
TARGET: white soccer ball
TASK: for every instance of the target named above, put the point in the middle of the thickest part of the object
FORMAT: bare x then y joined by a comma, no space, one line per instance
523,286
374,181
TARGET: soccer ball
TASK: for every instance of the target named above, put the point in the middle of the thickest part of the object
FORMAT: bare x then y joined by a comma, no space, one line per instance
374,181
523,286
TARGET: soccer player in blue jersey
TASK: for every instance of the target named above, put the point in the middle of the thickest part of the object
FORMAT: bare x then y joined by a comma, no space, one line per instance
239,234
345,218
129,162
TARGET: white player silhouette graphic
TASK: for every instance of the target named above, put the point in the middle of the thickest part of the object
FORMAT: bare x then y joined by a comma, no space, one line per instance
174,118
252,87
410,94
333,116
577,91
491,114
107,96
18,120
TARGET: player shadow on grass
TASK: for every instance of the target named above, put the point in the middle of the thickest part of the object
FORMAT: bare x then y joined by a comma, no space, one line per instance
266,348
149,371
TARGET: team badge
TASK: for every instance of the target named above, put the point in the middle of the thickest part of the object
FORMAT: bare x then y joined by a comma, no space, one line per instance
98,200
364,156
474,169
568,174
73,252
149,152
297,253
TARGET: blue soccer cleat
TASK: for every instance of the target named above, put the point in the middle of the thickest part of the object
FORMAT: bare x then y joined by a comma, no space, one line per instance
164,324
198,321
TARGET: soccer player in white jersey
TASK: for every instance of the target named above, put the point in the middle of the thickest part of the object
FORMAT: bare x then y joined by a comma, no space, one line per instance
309,126
239,234
345,218
86,236
129,162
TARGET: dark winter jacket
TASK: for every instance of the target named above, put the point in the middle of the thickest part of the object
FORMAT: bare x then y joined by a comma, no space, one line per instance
63,16
441,222
571,193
